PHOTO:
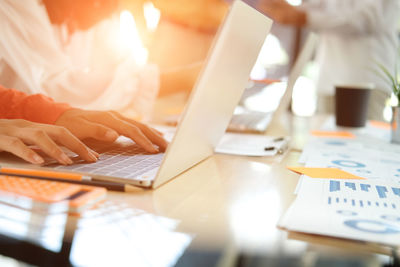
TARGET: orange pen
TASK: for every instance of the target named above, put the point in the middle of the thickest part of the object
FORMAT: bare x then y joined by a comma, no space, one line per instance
45,174
266,81
68,178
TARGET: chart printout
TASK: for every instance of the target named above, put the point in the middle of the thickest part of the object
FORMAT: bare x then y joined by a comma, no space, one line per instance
365,210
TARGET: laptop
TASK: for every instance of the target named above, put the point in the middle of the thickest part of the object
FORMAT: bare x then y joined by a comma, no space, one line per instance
207,114
247,119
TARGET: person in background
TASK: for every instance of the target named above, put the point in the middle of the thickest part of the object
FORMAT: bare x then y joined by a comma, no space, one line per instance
355,35
38,120
182,40
35,56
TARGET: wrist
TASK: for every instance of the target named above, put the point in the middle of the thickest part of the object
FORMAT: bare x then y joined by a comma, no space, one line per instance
301,18
63,115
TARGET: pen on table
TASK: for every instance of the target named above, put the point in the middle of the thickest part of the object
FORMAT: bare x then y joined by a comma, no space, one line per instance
283,148
284,144
67,178
280,149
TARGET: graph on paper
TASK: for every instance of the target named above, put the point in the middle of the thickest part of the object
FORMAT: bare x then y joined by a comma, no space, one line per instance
360,161
382,191
364,210
362,194
361,210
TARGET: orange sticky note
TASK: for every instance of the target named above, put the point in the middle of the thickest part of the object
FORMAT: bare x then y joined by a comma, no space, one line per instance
380,124
333,134
328,173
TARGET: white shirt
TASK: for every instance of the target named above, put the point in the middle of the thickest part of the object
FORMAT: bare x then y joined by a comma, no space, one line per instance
33,59
354,36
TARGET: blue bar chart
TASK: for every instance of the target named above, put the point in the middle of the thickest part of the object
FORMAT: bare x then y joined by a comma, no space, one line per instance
363,195
396,191
365,187
350,185
334,186
382,190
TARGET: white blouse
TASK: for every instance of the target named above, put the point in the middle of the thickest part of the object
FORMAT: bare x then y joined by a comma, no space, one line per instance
354,36
85,72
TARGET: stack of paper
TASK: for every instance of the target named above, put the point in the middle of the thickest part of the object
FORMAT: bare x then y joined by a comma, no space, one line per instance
350,188
355,209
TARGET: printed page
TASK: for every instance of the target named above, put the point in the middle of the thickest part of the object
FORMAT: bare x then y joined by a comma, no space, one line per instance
355,209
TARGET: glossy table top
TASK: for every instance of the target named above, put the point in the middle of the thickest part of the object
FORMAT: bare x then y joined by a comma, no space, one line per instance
227,204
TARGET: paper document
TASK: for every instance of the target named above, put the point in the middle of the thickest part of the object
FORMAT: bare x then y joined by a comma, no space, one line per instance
360,209
364,157
371,160
241,144
252,144
354,209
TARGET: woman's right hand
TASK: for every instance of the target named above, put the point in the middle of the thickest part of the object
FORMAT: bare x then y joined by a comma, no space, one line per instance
16,135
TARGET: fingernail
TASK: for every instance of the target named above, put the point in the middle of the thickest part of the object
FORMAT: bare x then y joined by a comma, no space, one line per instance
65,159
111,135
37,159
93,157
97,155
156,150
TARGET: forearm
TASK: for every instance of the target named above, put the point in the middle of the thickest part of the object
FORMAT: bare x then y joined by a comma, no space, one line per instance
36,108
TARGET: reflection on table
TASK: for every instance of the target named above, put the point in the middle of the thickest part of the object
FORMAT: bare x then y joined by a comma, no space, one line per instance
222,212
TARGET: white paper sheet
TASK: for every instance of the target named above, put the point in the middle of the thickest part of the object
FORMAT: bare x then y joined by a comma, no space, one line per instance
365,157
252,145
354,209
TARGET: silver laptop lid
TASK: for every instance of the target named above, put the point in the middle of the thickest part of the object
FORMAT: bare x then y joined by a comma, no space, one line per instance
217,90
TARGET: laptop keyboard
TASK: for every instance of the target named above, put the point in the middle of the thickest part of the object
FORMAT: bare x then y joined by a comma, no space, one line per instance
125,161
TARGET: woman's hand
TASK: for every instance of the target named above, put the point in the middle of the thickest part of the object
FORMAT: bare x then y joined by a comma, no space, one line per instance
283,12
16,135
108,125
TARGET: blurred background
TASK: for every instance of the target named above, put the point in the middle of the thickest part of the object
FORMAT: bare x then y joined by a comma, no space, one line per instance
176,36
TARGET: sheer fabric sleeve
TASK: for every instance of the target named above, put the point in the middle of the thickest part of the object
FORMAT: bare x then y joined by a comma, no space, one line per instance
37,108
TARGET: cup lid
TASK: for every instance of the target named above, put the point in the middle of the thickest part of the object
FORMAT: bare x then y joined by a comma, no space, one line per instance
356,85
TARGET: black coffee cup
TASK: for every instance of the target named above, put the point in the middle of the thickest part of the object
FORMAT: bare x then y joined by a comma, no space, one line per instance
351,104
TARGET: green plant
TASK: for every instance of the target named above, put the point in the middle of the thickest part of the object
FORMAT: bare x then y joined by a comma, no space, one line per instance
393,79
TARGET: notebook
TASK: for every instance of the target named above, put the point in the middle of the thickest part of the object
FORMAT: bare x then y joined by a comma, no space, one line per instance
249,120
214,97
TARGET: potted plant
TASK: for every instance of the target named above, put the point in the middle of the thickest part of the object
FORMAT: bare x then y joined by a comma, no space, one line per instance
393,79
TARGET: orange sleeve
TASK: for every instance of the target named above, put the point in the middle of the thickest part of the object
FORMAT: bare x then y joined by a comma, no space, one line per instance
37,108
